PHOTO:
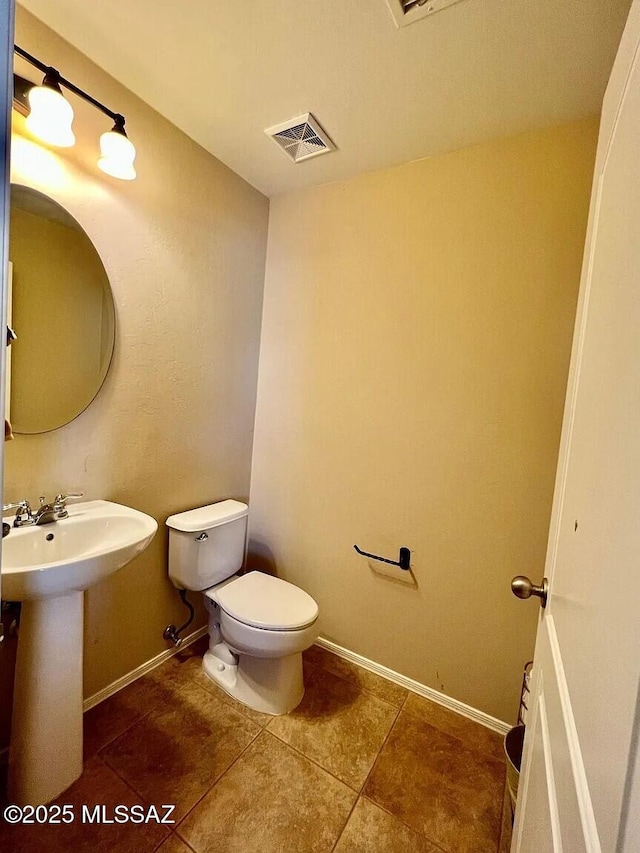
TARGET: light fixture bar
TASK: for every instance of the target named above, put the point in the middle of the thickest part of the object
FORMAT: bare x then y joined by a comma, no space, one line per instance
50,115
62,81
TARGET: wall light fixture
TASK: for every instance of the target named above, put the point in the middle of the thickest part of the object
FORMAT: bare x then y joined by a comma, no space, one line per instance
50,117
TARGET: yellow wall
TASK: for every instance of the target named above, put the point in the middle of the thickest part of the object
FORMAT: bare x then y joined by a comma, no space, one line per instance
415,347
184,247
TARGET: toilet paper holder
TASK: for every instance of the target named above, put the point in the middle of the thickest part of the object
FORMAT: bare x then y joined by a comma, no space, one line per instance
404,560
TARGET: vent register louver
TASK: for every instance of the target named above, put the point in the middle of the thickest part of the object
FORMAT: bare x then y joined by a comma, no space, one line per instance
301,138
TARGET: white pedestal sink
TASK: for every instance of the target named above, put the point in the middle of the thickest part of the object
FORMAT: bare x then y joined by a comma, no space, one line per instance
48,568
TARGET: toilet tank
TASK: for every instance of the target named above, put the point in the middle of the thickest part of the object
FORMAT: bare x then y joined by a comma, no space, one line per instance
206,545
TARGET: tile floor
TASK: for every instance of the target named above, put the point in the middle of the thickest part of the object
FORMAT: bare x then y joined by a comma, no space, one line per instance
362,766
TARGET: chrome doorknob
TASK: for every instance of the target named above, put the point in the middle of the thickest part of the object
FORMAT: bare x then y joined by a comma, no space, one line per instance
523,587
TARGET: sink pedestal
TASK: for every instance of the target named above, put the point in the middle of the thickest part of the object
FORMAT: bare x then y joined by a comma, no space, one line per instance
46,733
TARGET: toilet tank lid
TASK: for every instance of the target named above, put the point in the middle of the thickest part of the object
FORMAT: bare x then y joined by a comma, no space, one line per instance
206,517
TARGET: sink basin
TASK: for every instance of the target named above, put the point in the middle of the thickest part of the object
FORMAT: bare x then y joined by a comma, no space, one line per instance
98,538
48,568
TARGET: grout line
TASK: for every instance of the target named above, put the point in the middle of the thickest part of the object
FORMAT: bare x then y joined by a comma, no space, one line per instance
211,787
415,686
362,794
198,801
382,746
488,753
312,760
224,699
404,823
180,838
386,738
353,683
345,677
193,682
346,823
122,779
105,761
331,773
119,735
228,700
175,835
233,703
139,719
128,784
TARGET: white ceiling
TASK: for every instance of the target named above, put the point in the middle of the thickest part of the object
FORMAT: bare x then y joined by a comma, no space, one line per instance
224,71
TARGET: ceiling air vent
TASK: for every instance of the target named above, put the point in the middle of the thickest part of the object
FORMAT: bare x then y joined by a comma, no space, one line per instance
409,11
301,138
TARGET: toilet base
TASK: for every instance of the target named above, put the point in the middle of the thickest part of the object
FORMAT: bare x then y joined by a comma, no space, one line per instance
271,685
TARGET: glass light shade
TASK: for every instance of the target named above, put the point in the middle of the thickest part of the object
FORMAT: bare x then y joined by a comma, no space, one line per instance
50,117
118,154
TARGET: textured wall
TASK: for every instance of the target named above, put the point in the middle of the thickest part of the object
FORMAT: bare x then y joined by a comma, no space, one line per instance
184,247
415,347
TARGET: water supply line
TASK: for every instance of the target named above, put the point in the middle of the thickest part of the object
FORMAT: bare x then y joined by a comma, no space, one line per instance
172,633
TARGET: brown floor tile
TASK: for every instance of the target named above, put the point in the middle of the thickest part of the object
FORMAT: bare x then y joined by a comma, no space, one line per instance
372,830
337,725
272,800
177,752
105,722
369,681
471,733
173,844
439,787
98,785
108,720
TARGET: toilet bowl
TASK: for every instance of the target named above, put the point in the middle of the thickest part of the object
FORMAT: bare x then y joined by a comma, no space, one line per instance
259,625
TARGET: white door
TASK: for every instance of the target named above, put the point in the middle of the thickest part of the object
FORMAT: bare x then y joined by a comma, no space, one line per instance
579,782
6,100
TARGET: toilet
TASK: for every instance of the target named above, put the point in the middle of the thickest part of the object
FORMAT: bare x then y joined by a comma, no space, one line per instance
259,625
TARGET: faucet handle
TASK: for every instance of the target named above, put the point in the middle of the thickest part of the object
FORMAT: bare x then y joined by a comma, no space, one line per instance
23,513
62,499
21,505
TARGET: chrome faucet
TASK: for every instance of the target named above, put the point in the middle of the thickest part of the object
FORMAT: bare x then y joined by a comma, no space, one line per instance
23,513
46,512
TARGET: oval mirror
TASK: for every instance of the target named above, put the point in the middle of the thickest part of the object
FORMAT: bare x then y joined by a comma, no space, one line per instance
61,309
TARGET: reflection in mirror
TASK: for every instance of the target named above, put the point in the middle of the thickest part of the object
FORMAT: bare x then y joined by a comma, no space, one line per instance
62,312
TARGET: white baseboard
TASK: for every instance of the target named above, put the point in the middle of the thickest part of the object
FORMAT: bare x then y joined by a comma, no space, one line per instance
416,687
390,674
141,670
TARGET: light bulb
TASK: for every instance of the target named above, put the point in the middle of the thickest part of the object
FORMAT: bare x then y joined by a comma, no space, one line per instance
118,154
50,115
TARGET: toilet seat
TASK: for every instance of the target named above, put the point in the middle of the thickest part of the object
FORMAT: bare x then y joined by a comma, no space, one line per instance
263,601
